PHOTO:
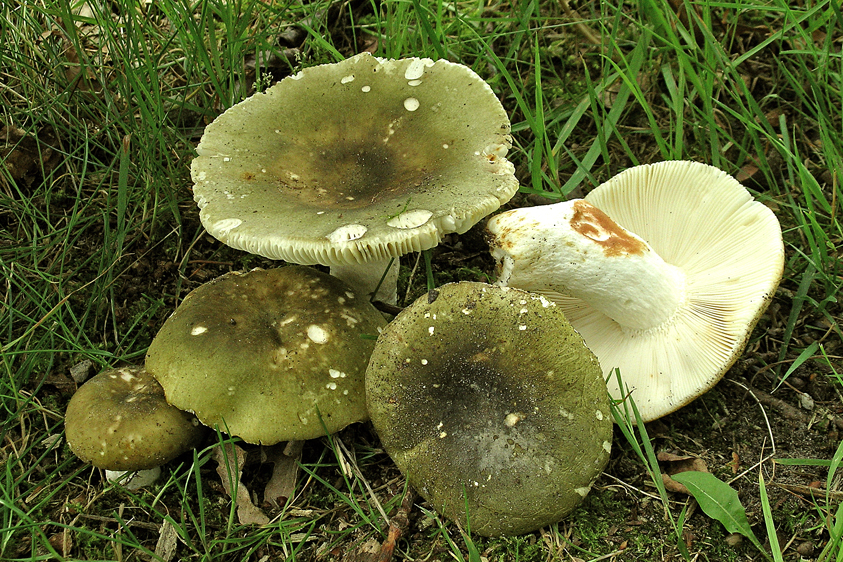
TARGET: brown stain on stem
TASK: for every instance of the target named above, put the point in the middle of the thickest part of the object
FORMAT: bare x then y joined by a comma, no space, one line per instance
594,224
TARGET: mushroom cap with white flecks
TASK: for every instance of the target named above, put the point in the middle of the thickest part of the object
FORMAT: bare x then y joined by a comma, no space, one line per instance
716,250
362,160
270,355
491,405
119,420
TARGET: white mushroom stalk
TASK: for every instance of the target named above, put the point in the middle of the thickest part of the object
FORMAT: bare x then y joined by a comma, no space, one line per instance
595,260
667,290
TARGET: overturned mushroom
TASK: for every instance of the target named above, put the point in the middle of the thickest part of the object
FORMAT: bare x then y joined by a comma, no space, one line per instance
120,421
665,269
491,405
269,355
354,164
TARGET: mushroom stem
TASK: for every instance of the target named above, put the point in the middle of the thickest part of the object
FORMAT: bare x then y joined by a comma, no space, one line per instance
134,479
366,277
575,249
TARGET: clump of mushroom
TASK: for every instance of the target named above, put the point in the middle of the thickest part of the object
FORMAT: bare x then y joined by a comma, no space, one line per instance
120,421
491,405
354,164
665,269
269,355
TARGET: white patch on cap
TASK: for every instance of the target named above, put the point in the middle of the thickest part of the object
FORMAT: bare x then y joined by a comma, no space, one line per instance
224,226
410,219
513,418
466,311
317,334
347,79
582,491
599,415
366,89
197,330
415,69
430,330
522,327
414,83
607,446
331,386
127,376
411,104
335,374
424,361
289,319
347,233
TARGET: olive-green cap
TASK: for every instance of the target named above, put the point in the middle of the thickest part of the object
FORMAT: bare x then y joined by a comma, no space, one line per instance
363,160
492,406
269,355
120,420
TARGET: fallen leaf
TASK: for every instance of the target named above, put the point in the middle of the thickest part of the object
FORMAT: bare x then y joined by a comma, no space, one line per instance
230,459
681,463
285,457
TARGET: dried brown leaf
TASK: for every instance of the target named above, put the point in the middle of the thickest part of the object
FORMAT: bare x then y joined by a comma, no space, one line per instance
230,459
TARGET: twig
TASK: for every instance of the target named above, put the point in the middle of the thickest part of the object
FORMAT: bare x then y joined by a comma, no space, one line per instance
398,525
581,27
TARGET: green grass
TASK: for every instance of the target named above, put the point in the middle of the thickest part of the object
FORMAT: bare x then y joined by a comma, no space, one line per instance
102,104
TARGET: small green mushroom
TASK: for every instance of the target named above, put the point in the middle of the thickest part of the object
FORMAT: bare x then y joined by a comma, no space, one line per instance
120,421
491,405
270,355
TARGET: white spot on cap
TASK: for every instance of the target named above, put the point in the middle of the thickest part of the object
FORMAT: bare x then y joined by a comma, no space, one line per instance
599,415
317,334
347,233
513,418
445,145
410,219
466,311
582,491
443,434
197,330
607,446
347,79
366,89
411,104
424,361
224,226
430,330
415,69
522,327
414,83
335,374
331,386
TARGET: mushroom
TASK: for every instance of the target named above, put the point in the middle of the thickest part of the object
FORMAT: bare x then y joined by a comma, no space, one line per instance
491,405
120,421
665,269
354,164
269,355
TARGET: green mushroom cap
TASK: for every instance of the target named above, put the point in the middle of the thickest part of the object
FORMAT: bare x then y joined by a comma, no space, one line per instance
269,355
120,420
492,406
